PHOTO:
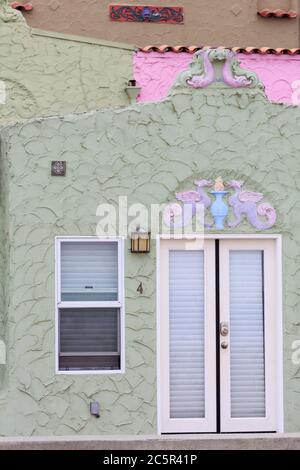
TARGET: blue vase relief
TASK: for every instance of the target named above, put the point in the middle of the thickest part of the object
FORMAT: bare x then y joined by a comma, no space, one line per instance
219,209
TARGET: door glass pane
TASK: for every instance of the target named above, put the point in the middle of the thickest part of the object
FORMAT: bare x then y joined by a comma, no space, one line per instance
247,355
89,271
186,330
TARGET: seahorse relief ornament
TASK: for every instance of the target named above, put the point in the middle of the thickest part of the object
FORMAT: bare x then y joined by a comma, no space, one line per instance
243,204
202,71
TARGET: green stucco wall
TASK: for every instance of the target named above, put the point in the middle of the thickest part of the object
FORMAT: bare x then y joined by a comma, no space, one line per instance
4,254
146,152
48,74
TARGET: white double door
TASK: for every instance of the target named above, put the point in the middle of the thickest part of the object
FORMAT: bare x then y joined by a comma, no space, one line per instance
218,368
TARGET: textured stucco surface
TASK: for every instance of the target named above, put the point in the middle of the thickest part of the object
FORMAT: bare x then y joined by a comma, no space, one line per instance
217,22
156,72
4,253
45,76
147,152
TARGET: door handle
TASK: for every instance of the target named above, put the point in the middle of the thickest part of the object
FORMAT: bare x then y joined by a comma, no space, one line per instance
224,328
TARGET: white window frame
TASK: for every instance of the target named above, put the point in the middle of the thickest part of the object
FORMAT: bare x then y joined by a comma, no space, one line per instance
279,318
119,304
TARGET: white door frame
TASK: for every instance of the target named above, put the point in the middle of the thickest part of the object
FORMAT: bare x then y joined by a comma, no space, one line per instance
279,333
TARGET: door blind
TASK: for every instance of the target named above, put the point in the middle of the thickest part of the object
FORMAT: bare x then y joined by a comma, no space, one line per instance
186,334
247,355
89,271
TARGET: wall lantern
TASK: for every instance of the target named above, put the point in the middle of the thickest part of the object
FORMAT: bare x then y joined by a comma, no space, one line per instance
132,90
140,241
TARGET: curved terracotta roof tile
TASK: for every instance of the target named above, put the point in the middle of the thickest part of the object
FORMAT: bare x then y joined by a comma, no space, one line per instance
242,50
21,6
278,13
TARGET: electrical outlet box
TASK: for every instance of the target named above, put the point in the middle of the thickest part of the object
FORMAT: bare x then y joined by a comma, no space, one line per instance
95,409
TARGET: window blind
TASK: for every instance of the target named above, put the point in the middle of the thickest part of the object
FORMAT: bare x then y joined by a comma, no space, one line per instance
247,356
186,334
89,338
89,271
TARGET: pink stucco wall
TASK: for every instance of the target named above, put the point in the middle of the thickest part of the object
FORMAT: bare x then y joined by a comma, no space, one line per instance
155,72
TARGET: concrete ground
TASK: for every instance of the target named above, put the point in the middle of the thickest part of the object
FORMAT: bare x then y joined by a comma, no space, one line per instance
169,442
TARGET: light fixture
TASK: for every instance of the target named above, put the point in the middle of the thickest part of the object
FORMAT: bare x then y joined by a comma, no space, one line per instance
140,241
132,90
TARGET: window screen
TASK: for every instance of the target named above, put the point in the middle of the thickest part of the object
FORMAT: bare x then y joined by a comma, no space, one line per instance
89,338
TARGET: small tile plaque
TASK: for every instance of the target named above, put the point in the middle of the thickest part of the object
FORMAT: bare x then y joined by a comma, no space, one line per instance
146,14
58,168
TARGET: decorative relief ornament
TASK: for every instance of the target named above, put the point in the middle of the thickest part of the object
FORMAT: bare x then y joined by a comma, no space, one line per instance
219,185
202,71
219,209
243,204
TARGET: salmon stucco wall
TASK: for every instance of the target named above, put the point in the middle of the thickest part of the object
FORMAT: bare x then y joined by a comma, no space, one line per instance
46,74
230,22
146,152
155,72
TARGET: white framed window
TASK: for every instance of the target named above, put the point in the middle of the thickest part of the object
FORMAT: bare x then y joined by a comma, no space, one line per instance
89,305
